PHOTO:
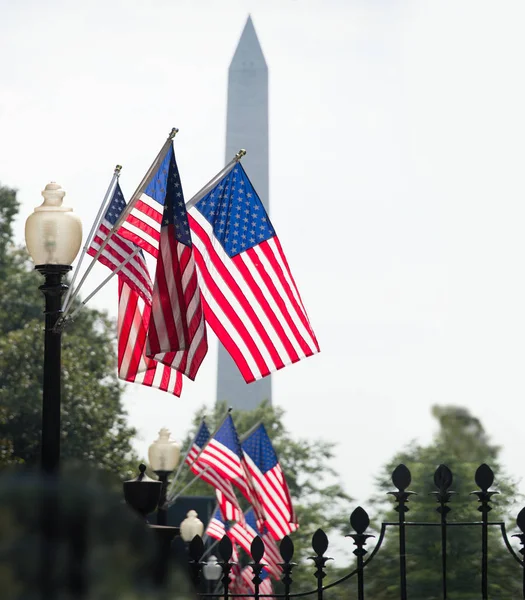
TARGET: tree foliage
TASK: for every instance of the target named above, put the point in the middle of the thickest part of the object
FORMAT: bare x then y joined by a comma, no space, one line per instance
463,445
94,428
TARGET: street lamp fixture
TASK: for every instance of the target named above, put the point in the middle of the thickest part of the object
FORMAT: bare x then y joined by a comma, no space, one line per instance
191,526
212,570
164,455
53,237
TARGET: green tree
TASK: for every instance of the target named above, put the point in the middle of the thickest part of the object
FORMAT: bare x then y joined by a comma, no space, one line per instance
462,444
94,427
319,499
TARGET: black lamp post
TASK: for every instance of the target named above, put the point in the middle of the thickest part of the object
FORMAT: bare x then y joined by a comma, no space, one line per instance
164,456
143,494
53,238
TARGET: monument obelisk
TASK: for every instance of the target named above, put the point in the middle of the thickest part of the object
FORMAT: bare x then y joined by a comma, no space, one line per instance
246,127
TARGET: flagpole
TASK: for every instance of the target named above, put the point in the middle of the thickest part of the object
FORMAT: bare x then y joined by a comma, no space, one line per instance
143,184
145,180
96,224
189,484
210,548
228,412
213,181
243,437
206,536
112,274
183,461
129,207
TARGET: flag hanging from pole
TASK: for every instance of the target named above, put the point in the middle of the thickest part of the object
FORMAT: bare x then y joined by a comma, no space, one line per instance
134,304
269,483
249,295
226,498
223,454
118,250
176,331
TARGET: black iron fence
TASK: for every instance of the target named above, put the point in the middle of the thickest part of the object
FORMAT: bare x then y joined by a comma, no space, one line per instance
360,523
68,539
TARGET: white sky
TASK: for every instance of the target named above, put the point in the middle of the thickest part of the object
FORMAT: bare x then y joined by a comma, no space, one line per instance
397,135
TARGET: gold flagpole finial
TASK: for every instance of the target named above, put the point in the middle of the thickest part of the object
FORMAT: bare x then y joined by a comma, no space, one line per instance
173,133
118,169
240,154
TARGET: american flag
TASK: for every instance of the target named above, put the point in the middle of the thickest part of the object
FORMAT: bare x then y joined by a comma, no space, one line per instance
134,293
223,453
226,497
244,584
250,297
117,250
142,224
269,483
177,331
133,364
217,529
242,534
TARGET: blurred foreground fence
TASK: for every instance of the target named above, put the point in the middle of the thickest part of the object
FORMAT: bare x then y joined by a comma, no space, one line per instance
66,539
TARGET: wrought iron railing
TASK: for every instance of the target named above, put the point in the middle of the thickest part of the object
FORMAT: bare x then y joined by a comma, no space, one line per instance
360,523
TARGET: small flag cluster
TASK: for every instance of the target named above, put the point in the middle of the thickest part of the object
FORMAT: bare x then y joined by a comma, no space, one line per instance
221,266
252,467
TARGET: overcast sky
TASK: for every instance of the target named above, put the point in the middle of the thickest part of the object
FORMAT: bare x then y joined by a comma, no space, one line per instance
397,149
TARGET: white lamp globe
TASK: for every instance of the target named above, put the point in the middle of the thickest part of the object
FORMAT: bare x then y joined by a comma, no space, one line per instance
212,570
191,526
164,453
53,233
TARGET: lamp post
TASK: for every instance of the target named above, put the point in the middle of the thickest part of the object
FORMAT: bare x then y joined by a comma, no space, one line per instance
53,237
164,455
212,572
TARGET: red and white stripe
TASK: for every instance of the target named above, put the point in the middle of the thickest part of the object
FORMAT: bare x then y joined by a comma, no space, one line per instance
244,584
252,303
272,492
133,364
226,498
177,331
228,502
215,529
115,252
244,535
272,556
235,561
142,224
226,464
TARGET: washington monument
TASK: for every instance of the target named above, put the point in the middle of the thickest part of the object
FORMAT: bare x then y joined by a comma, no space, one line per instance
246,127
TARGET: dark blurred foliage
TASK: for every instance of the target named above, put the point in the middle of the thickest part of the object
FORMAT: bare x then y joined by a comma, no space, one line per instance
74,539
